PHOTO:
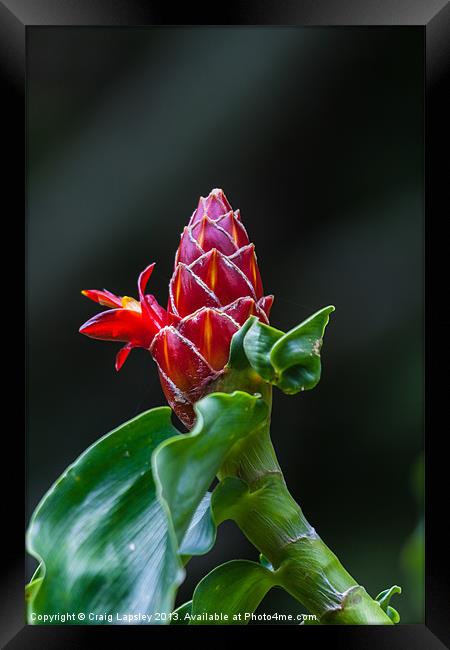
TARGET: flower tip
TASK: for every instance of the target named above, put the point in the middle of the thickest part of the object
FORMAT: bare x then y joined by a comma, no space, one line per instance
218,194
84,292
86,327
122,356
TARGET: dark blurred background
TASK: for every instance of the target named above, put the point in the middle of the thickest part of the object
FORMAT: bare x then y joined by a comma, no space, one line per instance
316,135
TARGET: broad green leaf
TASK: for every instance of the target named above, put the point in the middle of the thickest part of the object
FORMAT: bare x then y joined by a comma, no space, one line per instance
201,534
105,543
181,615
233,590
290,361
185,466
105,540
228,496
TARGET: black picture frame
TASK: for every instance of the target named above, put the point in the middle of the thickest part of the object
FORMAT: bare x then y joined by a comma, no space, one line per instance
16,17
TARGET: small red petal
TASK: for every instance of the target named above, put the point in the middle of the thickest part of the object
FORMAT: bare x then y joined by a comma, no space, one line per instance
188,293
265,303
142,284
118,325
144,277
154,315
210,331
158,313
104,298
122,355
230,223
209,235
222,276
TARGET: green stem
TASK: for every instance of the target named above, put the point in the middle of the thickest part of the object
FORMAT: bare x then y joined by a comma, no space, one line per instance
254,494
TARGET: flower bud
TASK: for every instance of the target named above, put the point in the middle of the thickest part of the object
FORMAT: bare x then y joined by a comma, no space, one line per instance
215,287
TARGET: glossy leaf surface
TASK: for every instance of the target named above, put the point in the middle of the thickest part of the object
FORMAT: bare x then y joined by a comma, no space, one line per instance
104,538
105,543
186,465
291,360
234,589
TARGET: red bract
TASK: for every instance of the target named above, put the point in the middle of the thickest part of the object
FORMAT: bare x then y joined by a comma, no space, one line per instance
214,288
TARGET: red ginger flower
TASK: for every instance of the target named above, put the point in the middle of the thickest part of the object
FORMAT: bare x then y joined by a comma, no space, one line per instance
214,288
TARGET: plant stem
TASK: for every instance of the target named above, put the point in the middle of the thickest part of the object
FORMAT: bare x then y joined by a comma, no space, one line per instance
254,494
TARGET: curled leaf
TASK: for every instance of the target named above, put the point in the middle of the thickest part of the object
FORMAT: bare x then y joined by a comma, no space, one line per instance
291,360
231,593
185,466
201,534
384,598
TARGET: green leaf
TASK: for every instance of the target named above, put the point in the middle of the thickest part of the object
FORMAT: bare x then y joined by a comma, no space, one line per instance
227,497
103,536
185,466
290,361
33,586
393,614
384,598
237,358
230,593
181,615
258,343
201,534
265,562
296,356
105,543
